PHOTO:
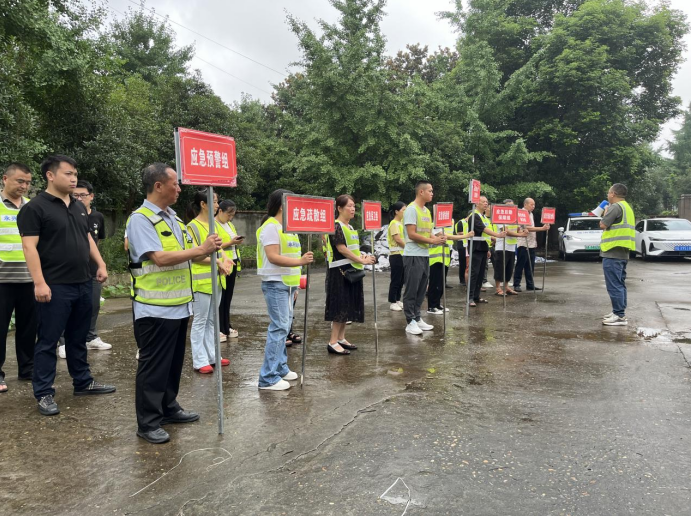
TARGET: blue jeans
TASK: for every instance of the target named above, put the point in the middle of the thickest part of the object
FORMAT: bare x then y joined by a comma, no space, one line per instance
615,272
279,298
68,312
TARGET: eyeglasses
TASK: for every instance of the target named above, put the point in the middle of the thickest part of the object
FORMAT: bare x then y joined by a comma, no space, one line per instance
81,195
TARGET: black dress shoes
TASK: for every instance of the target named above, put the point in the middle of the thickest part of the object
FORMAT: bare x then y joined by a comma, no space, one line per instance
94,388
158,436
332,350
180,417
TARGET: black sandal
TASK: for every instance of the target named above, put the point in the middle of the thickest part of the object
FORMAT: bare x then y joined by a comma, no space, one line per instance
346,345
330,348
294,338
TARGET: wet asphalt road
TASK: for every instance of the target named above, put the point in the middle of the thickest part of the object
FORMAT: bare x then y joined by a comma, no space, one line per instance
538,409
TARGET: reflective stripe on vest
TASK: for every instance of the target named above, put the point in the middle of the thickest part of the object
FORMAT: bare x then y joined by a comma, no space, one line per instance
162,286
393,246
10,240
464,230
424,223
621,234
290,246
352,244
201,272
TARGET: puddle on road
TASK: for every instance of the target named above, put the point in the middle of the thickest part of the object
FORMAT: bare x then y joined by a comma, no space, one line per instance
649,333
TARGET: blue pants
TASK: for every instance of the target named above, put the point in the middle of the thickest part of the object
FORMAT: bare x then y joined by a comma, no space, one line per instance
525,265
279,299
68,312
615,272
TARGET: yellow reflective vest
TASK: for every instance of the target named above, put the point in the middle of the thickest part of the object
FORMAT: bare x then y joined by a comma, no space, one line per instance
201,272
162,286
352,243
398,226
621,234
290,246
10,240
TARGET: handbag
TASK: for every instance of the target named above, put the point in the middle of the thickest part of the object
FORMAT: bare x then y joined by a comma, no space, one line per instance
353,275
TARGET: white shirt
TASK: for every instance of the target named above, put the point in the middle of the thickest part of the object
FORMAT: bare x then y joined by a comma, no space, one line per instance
269,236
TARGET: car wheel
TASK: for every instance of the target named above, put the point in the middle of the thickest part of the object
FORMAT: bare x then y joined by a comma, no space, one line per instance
568,256
645,256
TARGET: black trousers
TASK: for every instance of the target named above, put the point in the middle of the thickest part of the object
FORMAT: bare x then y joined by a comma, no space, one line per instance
161,345
479,264
435,285
68,312
525,264
18,297
396,264
225,306
462,263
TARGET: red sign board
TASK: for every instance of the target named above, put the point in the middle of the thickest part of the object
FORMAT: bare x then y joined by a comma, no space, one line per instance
372,215
503,214
308,214
442,213
523,217
474,191
205,159
548,216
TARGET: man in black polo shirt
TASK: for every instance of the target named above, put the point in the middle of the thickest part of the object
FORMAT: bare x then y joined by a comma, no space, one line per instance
57,246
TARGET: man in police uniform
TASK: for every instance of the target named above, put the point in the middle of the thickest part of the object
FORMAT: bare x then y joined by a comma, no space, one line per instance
160,254
16,287
617,241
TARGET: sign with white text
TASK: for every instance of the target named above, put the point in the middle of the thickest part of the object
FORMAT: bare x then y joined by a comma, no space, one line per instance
523,217
442,214
503,214
548,216
474,191
308,214
205,159
372,215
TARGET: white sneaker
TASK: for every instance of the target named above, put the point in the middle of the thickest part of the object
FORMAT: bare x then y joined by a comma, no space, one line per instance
97,343
487,284
608,315
394,307
435,311
233,334
349,322
222,337
61,352
445,309
401,304
281,385
291,375
615,320
425,326
137,355
413,328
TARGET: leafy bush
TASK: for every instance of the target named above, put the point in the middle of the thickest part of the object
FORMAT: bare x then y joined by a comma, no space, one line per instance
113,252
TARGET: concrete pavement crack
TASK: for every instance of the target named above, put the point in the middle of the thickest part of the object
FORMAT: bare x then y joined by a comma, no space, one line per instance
684,357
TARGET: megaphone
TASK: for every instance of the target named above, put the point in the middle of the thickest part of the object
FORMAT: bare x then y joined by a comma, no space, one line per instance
600,209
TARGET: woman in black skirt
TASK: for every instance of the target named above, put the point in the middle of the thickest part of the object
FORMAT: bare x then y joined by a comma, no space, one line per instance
344,299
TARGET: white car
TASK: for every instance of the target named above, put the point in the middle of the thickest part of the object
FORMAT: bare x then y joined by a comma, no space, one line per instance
663,237
582,237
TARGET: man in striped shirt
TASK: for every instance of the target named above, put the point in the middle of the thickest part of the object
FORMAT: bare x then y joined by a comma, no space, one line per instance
16,285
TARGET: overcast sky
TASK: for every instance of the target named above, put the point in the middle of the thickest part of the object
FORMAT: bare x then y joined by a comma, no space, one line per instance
258,30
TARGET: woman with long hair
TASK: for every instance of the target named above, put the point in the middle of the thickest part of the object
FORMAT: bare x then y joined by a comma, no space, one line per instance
279,263
344,299
202,331
230,238
395,239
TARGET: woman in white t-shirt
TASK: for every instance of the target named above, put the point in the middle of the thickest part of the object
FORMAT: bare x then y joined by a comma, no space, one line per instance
279,264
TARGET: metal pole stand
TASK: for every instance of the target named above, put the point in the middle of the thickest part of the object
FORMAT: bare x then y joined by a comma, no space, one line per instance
444,288
374,292
545,262
305,315
215,303
504,272
468,281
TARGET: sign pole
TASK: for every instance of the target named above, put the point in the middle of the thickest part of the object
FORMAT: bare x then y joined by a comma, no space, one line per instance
468,282
305,315
545,261
374,293
215,303
504,271
444,286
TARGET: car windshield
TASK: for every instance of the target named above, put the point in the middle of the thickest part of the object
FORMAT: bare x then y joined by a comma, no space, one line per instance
668,225
584,224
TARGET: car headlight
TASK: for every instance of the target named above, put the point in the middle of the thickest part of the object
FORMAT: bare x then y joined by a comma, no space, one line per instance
657,239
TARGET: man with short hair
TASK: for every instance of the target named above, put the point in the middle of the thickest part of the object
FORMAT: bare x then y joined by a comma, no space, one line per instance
16,287
85,193
481,228
526,250
617,242
58,246
418,238
160,252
